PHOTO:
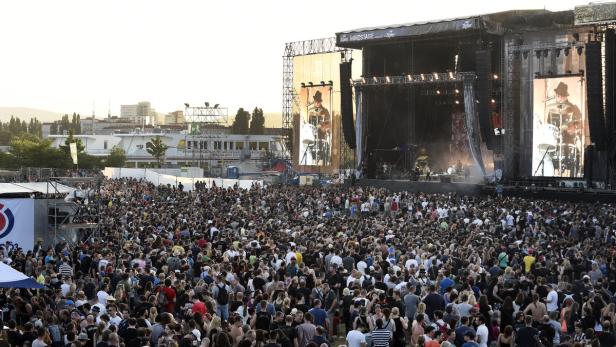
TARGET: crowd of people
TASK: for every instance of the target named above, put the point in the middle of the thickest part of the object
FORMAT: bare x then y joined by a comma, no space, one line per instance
296,266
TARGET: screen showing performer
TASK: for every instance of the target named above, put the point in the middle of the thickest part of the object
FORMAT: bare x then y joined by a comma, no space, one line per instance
315,126
560,127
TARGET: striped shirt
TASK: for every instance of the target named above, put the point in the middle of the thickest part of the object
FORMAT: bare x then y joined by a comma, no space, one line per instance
65,270
381,337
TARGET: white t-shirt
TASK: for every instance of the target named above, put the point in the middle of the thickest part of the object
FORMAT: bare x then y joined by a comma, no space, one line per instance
102,297
355,338
552,301
361,266
482,334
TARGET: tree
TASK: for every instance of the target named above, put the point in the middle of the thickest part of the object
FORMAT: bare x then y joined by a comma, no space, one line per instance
157,149
257,123
70,139
53,129
116,158
240,123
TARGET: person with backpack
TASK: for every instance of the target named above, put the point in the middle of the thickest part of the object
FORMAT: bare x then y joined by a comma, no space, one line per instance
220,292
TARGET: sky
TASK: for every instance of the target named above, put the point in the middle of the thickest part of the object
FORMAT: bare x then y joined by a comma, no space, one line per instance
65,56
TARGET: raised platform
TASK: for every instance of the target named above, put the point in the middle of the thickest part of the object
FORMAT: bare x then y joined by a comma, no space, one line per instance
469,189
431,187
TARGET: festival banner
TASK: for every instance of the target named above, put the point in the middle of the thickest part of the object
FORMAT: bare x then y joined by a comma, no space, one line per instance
17,222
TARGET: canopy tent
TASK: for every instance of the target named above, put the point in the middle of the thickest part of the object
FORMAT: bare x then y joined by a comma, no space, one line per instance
11,278
34,187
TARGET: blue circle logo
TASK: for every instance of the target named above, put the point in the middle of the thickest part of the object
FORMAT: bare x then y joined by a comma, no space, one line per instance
7,221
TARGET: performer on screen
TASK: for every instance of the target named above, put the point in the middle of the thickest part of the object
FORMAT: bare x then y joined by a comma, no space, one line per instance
567,117
319,116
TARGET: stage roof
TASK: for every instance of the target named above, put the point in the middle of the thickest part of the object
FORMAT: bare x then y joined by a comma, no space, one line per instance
493,23
34,187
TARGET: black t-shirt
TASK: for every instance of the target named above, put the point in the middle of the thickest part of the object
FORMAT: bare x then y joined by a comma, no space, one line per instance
526,336
263,321
272,344
258,283
15,338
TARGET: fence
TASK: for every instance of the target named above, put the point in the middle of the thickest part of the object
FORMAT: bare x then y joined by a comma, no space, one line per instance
164,179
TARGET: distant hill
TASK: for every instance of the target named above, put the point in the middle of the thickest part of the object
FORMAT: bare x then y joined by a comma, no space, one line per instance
25,113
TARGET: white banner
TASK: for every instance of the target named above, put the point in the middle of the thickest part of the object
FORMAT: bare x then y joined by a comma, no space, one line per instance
73,147
17,222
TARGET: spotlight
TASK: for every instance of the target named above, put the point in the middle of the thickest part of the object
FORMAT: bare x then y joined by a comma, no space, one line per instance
423,78
435,75
457,102
457,91
216,106
330,83
375,79
310,84
409,78
451,75
438,92
579,50
476,101
387,79
493,101
322,83
186,104
207,104
495,76
303,85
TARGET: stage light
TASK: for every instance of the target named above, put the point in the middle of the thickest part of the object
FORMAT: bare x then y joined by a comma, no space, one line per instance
303,85
387,79
567,50
207,104
493,101
438,92
457,91
376,80
545,53
310,84
216,106
423,78
186,104
495,76
435,75
322,83
476,101
579,50
457,102
409,78
331,83
538,54
451,75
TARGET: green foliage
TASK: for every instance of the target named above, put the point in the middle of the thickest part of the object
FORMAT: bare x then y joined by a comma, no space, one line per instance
17,127
70,139
257,122
28,150
240,123
67,124
156,148
116,158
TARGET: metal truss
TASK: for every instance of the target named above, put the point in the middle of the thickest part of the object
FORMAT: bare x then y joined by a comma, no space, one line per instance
449,77
206,114
300,48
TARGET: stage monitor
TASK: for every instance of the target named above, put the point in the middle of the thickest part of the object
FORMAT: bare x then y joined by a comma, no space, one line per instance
560,126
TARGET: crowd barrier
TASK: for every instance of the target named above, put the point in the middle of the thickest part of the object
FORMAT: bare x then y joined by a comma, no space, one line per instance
187,182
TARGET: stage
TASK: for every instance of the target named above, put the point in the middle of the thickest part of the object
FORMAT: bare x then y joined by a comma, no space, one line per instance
475,189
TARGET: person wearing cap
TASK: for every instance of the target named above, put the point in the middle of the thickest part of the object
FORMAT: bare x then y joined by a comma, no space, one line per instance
469,339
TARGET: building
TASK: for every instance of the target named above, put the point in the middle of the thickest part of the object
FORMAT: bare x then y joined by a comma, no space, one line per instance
141,113
212,152
175,117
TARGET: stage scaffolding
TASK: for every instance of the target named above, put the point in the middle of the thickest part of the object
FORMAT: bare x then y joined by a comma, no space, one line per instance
301,48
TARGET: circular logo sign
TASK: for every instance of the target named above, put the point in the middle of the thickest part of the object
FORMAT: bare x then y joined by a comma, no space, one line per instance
7,221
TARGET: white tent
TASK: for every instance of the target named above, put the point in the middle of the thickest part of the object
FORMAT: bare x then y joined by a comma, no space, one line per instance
35,187
11,278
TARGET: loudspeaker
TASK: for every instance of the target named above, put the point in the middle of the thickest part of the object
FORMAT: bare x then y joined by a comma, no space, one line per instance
594,94
483,68
589,153
610,79
346,104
